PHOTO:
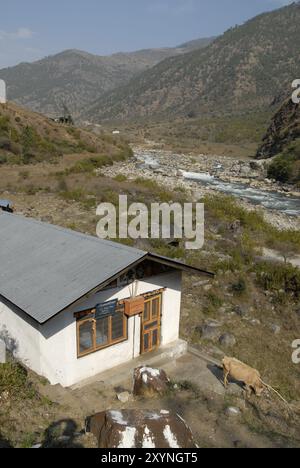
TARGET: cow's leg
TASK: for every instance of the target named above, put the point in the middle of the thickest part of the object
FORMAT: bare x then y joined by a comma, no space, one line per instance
226,374
248,391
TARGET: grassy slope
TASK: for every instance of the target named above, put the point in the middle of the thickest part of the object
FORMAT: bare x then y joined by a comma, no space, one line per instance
269,292
30,138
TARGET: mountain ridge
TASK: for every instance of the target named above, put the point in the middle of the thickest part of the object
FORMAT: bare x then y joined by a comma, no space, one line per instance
242,70
78,77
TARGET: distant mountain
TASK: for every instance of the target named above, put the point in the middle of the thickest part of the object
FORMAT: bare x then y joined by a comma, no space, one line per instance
197,43
240,71
79,78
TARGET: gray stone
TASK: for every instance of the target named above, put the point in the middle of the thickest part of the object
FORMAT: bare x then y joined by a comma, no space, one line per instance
199,284
211,330
234,390
255,322
233,411
213,323
123,397
2,352
241,311
235,227
227,340
245,170
276,329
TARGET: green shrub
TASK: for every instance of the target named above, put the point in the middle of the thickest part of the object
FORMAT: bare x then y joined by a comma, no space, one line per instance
3,159
4,124
281,276
281,170
285,167
239,287
73,195
214,300
14,380
120,178
5,143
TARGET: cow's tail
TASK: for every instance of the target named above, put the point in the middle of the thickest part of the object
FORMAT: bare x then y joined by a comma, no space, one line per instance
277,393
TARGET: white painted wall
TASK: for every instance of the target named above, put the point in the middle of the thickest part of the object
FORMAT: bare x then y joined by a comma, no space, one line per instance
24,332
51,349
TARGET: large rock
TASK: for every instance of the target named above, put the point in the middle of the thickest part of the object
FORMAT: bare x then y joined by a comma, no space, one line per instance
140,429
211,330
123,397
276,329
241,311
149,382
227,340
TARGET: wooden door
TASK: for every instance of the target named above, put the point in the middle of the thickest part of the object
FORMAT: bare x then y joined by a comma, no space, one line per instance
151,324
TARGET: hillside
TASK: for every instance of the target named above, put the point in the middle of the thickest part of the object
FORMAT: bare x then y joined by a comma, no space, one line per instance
284,129
282,140
29,138
78,78
240,71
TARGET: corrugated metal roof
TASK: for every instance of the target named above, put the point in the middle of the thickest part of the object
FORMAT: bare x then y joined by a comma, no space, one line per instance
45,268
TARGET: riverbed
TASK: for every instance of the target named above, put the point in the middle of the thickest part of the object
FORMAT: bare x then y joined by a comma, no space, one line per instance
214,174
271,199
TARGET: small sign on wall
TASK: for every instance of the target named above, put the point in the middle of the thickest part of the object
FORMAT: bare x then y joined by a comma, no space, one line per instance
105,309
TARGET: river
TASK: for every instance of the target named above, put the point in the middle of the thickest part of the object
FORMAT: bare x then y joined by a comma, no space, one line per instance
272,200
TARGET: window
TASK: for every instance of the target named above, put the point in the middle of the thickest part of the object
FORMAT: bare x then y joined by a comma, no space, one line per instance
102,329
85,336
95,334
117,328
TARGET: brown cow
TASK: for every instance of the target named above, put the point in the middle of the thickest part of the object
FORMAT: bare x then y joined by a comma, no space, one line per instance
243,373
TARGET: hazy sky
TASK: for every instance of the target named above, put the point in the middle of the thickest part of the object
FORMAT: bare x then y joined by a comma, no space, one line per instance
32,29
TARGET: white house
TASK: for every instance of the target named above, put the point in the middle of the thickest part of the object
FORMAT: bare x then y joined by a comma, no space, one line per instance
72,306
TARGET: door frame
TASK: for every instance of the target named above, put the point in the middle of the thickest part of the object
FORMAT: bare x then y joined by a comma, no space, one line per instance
155,320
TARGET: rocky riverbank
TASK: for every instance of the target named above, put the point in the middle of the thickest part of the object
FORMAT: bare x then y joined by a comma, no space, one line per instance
177,170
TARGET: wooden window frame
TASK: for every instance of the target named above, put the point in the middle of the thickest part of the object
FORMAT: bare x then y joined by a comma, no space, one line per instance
86,316
111,342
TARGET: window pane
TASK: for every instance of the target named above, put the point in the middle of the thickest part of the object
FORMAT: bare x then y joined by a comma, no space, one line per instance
151,325
102,332
155,338
146,341
117,324
155,308
147,311
85,337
